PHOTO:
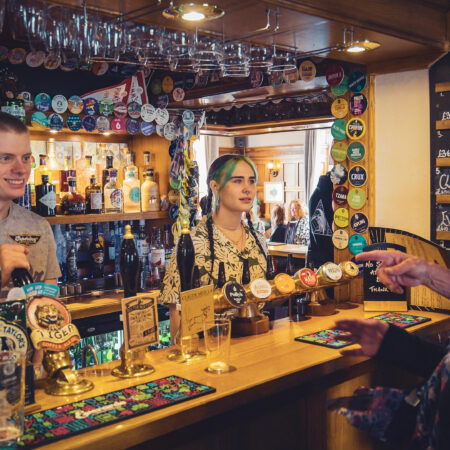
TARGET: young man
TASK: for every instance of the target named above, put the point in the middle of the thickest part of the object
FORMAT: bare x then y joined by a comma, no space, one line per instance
26,239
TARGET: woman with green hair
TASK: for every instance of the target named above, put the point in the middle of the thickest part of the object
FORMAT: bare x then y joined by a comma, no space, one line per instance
222,236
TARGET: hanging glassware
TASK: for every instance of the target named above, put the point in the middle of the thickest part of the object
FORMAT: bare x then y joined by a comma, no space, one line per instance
208,54
235,62
282,61
260,58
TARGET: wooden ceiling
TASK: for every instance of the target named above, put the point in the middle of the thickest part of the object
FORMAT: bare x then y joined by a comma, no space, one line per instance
412,33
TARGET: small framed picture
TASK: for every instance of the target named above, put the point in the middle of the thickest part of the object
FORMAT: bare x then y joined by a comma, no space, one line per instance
274,192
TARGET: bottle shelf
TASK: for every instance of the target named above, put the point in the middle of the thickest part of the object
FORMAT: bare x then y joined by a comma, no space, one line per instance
90,218
443,198
443,235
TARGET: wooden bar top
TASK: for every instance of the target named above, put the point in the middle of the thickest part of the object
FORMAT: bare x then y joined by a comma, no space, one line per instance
266,364
297,251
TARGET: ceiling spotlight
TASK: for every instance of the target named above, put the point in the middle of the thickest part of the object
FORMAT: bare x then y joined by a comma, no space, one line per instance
193,12
361,46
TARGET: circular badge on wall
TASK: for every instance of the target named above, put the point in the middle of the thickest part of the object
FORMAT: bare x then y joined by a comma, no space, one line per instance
338,129
161,117
340,239
307,70
162,101
90,106
103,124
339,108
339,151
134,110
39,120
52,61
59,104
173,212
120,110
133,126
189,81
340,194
356,151
335,74
178,94
359,223
89,123
356,198
358,104
338,174
118,125
160,130
170,131
100,68
342,88
69,64
35,59
74,122
357,176
357,81
42,102
256,78
174,196
167,84
55,122
356,244
341,217
148,112
147,128
356,128
156,87
27,100
75,104
106,107
17,55
188,117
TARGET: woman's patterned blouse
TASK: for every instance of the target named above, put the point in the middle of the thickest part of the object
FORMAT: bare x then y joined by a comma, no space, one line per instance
224,251
302,231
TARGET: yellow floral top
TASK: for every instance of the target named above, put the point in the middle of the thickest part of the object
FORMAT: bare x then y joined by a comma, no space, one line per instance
224,251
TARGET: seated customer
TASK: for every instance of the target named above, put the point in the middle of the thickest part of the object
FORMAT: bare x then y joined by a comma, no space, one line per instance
298,225
277,224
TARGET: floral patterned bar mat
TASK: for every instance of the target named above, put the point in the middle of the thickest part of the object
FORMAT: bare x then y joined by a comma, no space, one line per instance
66,421
330,337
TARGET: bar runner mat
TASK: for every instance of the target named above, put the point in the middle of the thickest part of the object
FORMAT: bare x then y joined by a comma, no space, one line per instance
69,420
329,337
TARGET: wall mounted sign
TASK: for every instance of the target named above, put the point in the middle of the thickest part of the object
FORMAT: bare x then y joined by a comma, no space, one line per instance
357,81
359,223
307,71
103,124
335,74
357,176
132,126
147,128
356,244
89,123
90,106
339,108
356,151
339,151
27,100
75,104
74,122
55,122
338,129
342,88
120,110
340,239
161,117
341,217
106,107
338,174
148,112
340,194
59,104
356,128
42,102
118,125
134,110
356,198
39,120
358,104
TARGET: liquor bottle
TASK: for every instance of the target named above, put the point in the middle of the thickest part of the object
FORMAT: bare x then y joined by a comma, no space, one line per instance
155,278
270,273
110,239
245,272
168,247
131,191
73,202
25,200
41,170
143,246
72,263
196,278
53,166
185,257
97,254
105,172
157,252
150,193
85,175
65,174
130,166
113,194
221,279
118,235
149,159
93,197
142,286
45,198
290,266
32,183
129,264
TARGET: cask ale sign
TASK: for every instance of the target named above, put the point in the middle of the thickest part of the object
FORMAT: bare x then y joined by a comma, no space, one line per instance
377,297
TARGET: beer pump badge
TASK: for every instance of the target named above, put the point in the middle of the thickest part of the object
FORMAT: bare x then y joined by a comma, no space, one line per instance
335,74
260,288
90,106
39,120
339,151
338,174
356,128
340,194
342,88
12,337
356,244
356,198
340,239
55,122
338,129
59,104
358,104
74,122
356,151
359,223
147,128
75,104
341,217
118,125
357,81
42,102
308,277
307,71
339,108
235,293
106,107
120,110
148,112
89,123
357,176
284,283
103,124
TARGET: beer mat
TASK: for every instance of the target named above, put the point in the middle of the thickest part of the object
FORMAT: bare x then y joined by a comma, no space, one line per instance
401,320
74,418
326,338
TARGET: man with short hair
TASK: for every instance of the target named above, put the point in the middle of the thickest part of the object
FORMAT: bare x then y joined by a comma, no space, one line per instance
26,239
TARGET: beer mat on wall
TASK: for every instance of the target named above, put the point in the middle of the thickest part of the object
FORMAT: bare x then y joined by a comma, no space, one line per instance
326,338
401,320
74,418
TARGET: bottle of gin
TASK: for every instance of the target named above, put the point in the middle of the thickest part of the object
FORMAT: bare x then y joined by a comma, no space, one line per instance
93,197
113,194
150,193
45,198
131,191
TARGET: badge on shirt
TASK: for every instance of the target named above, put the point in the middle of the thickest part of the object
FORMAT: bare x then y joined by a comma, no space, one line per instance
25,239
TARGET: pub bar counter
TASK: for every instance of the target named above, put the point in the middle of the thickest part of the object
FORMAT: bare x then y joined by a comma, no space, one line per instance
276,399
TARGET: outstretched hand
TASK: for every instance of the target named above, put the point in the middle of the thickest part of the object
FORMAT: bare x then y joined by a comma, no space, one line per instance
367,333
398,269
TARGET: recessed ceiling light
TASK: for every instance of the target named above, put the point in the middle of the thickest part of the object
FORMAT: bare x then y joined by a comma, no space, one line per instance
361,46
193,12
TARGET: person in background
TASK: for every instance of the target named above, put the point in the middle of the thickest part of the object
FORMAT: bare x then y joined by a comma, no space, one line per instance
298,225
320,249
419,419
277,224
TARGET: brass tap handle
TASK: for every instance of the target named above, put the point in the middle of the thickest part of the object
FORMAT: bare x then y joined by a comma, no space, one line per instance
93,353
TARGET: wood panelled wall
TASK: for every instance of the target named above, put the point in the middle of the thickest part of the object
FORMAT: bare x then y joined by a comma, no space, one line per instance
291,172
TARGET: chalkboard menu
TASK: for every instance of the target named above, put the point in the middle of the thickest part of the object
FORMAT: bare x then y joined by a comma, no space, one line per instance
440,152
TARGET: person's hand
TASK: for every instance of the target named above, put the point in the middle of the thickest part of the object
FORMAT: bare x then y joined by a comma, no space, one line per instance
398,269
367,333
12,256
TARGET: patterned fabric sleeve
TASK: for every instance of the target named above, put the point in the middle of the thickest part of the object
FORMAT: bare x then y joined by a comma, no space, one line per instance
302,231
53,270
170,286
